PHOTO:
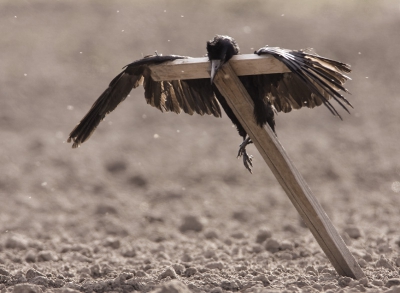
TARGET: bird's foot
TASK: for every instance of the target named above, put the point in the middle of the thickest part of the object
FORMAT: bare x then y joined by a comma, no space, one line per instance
247,159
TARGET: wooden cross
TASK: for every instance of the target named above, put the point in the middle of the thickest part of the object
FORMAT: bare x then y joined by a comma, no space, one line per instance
267,144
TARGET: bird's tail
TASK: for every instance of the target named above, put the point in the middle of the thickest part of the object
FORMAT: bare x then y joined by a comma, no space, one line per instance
263,113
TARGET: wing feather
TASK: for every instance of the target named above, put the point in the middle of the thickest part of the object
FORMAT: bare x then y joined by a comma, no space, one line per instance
118,90
187,95
190,96
171,101
313,81
180,95
204,96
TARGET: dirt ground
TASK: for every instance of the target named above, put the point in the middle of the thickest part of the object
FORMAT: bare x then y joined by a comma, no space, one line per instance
158,202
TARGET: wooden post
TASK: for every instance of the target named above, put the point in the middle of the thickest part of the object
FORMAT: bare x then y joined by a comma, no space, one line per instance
275,156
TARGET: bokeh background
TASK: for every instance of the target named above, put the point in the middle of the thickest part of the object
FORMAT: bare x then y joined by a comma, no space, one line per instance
57,57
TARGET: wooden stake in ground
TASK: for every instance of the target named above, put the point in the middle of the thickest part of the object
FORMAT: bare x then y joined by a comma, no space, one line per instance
269,147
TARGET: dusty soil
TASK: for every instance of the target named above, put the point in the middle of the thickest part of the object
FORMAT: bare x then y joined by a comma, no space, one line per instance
158,202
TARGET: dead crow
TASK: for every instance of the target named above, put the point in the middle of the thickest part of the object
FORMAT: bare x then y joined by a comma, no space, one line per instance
313,81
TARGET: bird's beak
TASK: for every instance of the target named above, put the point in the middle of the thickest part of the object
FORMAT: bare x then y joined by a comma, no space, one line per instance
215,65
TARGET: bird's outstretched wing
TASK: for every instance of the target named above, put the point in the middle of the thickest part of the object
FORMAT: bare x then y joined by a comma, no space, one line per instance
191,96
313,81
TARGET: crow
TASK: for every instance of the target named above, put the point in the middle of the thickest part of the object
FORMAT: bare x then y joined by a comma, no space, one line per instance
312,81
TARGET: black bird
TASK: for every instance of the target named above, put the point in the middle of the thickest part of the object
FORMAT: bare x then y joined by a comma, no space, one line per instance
313,81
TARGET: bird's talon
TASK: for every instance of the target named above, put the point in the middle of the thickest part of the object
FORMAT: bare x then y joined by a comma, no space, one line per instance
247,161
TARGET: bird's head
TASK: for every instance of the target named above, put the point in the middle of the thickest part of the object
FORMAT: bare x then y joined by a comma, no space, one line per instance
219,51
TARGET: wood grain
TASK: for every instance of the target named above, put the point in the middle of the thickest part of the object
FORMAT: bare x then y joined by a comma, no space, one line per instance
248,64
288,176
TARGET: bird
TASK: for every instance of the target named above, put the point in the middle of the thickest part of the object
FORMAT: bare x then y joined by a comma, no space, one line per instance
312,80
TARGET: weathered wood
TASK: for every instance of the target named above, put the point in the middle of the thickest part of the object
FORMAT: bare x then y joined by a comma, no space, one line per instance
267,144
248,64
288,176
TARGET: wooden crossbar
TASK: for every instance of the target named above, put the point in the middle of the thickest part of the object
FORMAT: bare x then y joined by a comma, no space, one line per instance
273,153
193,68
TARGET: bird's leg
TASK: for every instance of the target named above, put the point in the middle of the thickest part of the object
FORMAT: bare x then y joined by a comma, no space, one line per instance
247,159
